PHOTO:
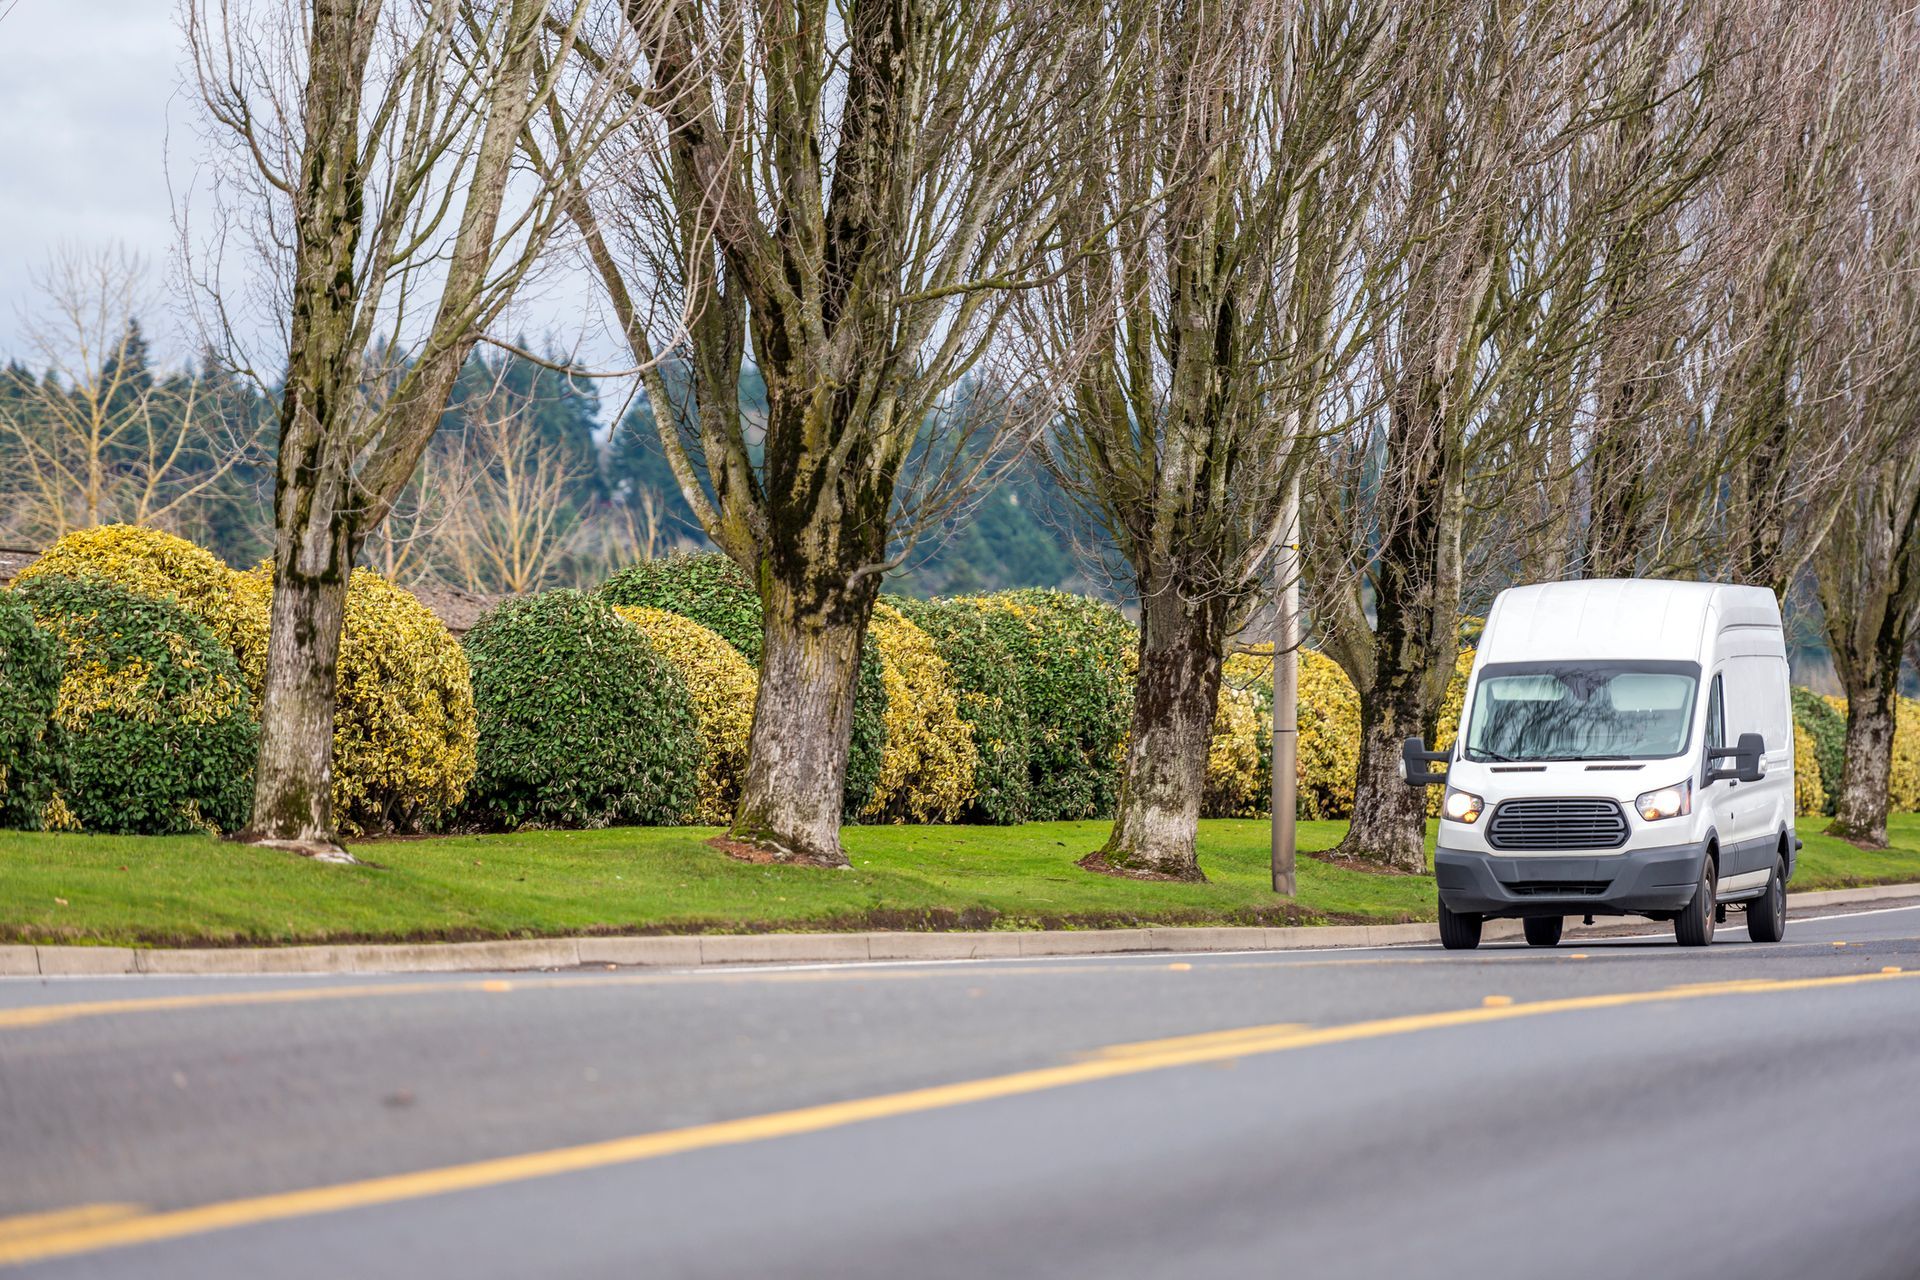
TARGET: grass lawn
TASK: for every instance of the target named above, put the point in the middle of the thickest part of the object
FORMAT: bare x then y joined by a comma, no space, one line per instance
193,890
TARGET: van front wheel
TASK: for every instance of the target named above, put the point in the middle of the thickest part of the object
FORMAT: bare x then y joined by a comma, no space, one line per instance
1459,930
1543,931
1693,927
1767,914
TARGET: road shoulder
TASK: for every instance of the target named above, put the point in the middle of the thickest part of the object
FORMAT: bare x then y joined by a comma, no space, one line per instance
774,948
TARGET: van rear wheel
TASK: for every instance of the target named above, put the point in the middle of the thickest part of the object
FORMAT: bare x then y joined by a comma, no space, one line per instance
1693,927
1767,914
1543,931
1459,930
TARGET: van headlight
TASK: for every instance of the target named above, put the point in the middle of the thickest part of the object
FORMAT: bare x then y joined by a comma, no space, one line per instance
1666,802
1462,806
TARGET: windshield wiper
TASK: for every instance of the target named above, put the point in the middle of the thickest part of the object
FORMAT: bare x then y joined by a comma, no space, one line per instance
1481,753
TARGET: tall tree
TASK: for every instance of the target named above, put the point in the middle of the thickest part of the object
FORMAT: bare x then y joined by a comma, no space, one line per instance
849,194
1865,368
1228,199
375,149
1768,466
1494,102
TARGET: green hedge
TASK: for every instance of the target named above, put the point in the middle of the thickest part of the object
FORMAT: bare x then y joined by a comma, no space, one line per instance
161,740
712,590
1075,659
709,588
582,723
33,754
991,700
1828,729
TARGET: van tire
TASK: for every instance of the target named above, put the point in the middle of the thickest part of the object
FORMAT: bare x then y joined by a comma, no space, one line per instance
1459,930
1543,931
1693,927
1767,914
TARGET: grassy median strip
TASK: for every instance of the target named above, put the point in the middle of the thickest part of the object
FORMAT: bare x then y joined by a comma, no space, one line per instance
187,890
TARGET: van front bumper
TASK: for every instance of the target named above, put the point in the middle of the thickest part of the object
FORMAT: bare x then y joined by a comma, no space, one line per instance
1637,882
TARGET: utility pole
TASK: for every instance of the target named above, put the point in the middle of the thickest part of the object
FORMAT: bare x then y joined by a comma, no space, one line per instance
1286,692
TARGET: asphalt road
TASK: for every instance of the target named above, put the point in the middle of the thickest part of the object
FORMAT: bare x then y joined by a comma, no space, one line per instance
1609,1108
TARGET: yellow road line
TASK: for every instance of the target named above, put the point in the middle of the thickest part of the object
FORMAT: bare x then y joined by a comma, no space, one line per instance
1182,1051
47,1014
1204,1040
29,1225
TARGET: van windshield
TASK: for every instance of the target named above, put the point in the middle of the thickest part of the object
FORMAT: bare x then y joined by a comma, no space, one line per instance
1582,710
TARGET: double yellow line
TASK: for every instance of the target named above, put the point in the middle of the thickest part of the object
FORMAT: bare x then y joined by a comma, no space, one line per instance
90,1228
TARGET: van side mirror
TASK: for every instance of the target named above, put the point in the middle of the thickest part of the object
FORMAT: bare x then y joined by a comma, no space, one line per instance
1414,759
1749,764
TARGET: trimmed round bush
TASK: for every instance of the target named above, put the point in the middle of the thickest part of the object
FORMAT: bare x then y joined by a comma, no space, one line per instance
1328,752
722,686
1809,792
151,563
1075,658
403,720
1827,728
160,737
927,770
33,755
583,722
708,588
990,700
713,591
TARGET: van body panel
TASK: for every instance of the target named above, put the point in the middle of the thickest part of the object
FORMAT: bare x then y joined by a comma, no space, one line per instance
1728,641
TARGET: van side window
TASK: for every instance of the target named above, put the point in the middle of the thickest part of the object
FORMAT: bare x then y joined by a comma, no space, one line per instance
1716,717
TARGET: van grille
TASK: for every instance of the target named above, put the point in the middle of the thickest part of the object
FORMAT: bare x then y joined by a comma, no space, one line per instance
1559,888
1557,824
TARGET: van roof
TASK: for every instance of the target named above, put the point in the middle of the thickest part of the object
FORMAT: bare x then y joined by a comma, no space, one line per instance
1620,618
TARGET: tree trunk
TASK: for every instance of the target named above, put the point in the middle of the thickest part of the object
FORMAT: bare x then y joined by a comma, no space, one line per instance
293,781
1389,817
1404,680
1860,811
803,722
1175,696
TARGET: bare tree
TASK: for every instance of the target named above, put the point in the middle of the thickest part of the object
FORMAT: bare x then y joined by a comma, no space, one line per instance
1771,469
375,150
850,194
1227,196
1865,371
1613,452
100,436
1497,100
516,515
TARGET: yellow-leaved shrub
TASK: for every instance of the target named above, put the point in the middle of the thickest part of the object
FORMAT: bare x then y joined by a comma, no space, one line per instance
1447,727
722,685
1328,752
1903,780
403,722
927,767
152,563
1239,770
1809,795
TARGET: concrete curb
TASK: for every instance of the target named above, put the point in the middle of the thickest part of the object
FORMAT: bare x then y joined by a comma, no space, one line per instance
763,948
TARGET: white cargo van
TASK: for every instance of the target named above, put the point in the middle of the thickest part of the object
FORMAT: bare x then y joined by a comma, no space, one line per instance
1626,748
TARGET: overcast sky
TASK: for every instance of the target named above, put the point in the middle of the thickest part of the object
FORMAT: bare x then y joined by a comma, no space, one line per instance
86,103
95,117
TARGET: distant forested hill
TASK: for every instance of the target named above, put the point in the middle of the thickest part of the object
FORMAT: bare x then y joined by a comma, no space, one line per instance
1009,537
